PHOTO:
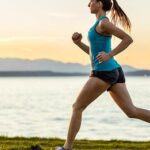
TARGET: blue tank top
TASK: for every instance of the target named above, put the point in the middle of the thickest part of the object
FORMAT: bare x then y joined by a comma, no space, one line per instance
98,43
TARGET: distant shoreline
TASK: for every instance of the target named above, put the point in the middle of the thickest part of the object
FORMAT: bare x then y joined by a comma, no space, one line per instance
38,73
54,74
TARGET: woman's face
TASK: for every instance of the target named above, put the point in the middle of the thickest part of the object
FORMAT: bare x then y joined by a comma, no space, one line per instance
94,6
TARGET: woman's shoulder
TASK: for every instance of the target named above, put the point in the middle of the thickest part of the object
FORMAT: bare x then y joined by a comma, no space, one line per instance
105,25
104,22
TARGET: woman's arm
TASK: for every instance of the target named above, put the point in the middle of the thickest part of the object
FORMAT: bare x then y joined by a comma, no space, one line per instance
84,47
77,37
112,29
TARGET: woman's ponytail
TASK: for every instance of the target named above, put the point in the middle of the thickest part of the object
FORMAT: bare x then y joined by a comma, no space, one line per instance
118,16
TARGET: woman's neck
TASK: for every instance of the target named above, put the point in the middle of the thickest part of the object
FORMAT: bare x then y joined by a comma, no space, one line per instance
98,15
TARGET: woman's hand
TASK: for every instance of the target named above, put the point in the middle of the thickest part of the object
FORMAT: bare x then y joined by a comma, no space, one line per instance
103,56
77,37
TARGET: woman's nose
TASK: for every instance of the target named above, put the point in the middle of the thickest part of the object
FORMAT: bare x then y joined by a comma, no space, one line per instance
89,4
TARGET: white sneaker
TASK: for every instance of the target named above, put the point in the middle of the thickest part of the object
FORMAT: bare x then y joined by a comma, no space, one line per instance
60,148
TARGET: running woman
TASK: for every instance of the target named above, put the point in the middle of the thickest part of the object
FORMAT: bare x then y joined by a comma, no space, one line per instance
106,73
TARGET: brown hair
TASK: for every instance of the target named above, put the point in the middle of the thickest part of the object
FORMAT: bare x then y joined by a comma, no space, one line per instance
117,14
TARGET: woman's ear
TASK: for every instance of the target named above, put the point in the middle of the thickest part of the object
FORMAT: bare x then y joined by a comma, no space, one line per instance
100,4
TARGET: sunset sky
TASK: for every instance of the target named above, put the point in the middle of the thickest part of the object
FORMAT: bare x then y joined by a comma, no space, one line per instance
42,29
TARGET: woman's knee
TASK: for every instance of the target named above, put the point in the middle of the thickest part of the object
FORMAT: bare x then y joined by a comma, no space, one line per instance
132,112
77,107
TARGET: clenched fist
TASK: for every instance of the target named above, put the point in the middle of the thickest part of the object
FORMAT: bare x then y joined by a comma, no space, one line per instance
77,37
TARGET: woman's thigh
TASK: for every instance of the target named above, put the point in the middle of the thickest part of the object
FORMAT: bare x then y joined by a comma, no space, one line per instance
93,88
121,96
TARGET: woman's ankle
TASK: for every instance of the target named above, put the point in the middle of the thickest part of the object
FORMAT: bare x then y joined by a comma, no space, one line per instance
67,146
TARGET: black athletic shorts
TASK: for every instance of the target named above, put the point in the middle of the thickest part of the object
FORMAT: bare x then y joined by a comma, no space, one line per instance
112,77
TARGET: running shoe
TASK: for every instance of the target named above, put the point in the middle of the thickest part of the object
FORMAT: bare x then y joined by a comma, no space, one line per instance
60,148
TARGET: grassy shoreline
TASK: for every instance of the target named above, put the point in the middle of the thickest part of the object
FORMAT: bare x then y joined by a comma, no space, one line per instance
36,143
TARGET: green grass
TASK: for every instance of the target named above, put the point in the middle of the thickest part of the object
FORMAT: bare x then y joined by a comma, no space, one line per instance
21,143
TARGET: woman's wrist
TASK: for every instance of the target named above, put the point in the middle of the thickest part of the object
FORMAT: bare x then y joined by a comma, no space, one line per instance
110,55
78,43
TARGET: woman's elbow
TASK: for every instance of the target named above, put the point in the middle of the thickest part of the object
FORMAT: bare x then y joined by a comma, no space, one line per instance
129,39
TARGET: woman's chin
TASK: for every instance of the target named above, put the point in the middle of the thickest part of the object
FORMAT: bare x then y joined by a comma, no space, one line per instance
92,12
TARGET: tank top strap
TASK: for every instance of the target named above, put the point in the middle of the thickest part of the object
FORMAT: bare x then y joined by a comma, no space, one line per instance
99,19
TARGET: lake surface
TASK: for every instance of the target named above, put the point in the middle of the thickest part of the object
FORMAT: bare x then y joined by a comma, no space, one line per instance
42,106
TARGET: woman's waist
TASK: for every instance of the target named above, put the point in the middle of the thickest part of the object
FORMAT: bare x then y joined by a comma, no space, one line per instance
94,54
107,65
109,62
96,50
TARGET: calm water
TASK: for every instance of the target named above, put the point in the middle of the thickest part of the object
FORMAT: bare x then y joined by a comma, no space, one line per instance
42,106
